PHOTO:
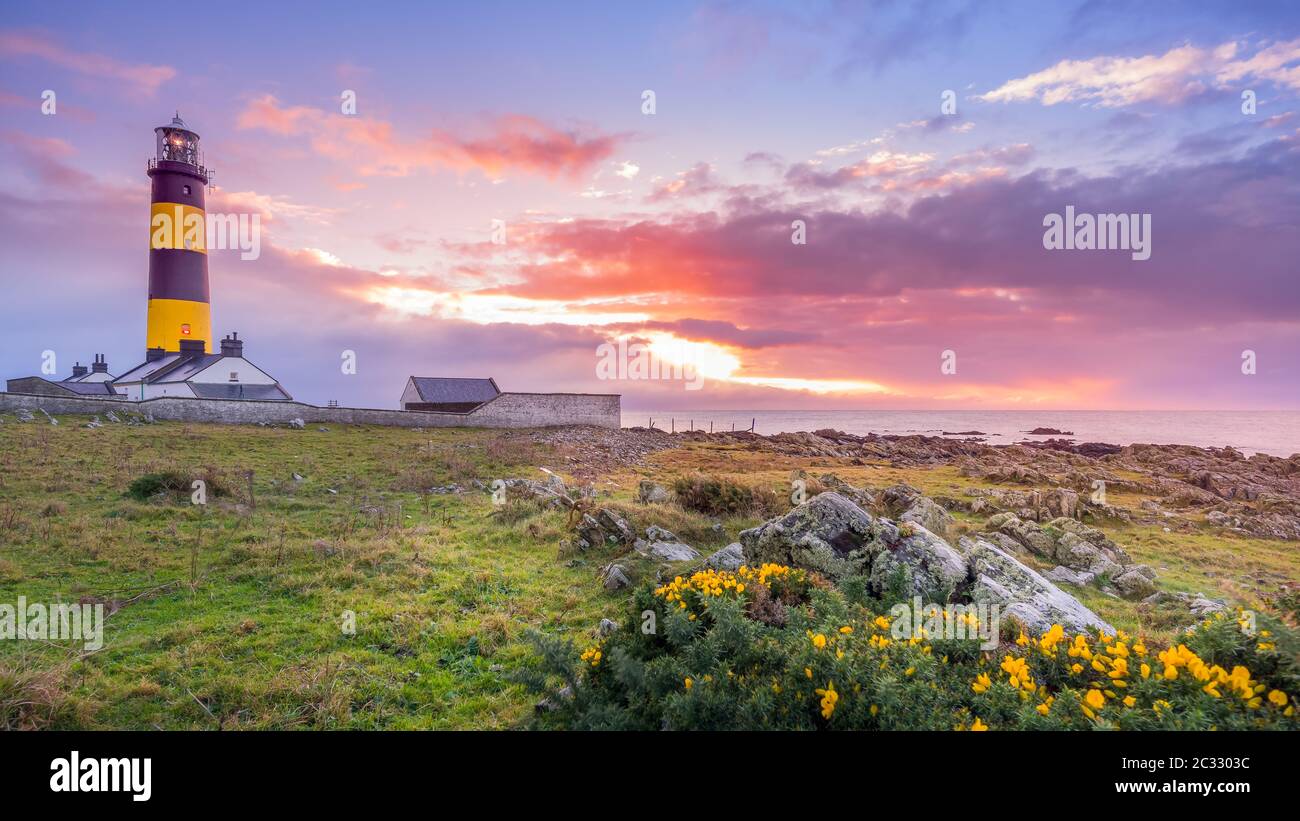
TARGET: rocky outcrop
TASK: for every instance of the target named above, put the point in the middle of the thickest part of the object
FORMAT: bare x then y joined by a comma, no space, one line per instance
916,562
1031,537
1022,593
833,536
906,504
828,534
859,496
1084,554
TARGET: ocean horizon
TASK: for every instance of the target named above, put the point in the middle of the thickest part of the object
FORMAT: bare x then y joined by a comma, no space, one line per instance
1274,432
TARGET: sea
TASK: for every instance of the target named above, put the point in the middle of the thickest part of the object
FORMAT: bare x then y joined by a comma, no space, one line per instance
1272,432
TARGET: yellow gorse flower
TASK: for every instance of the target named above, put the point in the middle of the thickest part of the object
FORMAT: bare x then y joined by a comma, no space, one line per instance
829,699
1095,699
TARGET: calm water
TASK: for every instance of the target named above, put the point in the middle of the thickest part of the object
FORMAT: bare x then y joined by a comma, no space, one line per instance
1274,432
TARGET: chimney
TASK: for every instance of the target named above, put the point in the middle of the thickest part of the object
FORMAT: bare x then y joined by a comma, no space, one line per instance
78,369
193,347
154,354
232,345
100,365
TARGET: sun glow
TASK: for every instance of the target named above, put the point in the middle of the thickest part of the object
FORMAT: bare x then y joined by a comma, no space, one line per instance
709,360
489,309
790,383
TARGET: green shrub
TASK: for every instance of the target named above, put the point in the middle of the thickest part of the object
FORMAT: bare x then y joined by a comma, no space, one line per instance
707,653
716,496
152,484
174,483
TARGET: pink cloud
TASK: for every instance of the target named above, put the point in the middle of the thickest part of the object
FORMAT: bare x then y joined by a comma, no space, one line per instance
513,142
144,78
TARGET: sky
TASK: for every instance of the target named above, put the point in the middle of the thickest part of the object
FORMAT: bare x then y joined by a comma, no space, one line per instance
818,204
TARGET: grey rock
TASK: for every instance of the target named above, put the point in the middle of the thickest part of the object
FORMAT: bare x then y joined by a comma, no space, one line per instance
1134,584
827,533
649,492
614,577
731,557
859,496
1198,604
1023,594
1027,533
297,424
1062,502
655,533
928,514
1062,574
672,551
608,627
24,415
605,529
1005,543
615,527
929,566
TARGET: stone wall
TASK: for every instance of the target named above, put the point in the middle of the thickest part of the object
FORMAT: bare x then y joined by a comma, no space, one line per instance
508,410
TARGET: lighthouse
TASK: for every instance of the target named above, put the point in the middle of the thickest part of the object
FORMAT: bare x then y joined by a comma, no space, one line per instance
179,309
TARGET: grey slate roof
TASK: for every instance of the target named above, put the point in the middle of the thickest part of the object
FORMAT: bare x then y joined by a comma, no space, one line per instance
146,369
89,388
184,370
238,391
455,389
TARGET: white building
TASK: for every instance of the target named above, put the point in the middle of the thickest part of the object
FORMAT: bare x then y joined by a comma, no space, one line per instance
191,373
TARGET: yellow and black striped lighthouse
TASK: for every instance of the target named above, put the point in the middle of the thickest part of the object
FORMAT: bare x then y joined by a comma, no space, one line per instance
178,257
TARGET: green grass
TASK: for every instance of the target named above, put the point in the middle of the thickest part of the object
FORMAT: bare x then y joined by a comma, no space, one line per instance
231,613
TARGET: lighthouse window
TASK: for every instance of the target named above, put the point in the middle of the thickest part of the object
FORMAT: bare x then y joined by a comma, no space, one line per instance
187,189
234,376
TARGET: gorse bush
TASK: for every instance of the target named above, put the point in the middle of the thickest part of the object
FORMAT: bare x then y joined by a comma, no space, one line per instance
778,648
175,484
716,496
152,484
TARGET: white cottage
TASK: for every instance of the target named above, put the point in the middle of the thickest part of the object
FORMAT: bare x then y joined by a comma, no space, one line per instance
192,373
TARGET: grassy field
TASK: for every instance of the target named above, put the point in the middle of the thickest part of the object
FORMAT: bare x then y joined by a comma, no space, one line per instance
231,614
